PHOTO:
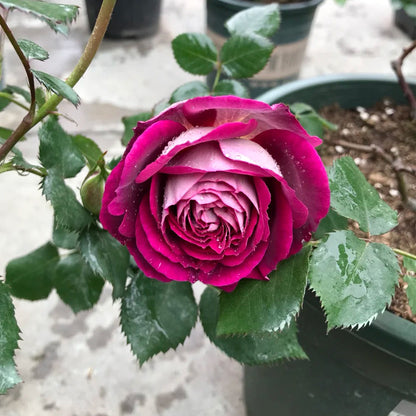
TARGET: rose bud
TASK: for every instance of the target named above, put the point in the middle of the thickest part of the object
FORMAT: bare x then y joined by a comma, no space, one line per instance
216,189
92,191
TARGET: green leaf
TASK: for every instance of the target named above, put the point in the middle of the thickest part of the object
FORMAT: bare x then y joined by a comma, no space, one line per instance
231,87
30,277
106,257
331,222
195,53
57,86
88,148
113,162
57,150
409,264
69,213
156,316
242,56
32,50
64,238
57,16
4,134
257,306
354,279
411,291
40,96
17,161
130,123
311,121
9,336
262,20
353,197
252,349
189,90
14,89
76,283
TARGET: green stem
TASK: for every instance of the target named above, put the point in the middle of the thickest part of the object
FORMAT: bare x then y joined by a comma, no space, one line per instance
404,253
84,62
217,77
12,100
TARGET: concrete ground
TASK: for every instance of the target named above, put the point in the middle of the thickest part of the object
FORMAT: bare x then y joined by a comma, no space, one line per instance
80,365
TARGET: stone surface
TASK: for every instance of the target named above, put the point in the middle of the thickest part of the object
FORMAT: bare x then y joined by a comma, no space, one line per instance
81,366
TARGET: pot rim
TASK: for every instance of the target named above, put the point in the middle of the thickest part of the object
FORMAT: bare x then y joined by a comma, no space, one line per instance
302,4
304,83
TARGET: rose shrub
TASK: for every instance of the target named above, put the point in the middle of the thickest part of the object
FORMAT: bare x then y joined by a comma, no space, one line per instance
216,189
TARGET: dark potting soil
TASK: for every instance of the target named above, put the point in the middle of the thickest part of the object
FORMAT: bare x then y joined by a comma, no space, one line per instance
372,137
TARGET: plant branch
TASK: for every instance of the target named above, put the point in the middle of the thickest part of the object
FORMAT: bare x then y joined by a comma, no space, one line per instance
27,120
404,253
397,68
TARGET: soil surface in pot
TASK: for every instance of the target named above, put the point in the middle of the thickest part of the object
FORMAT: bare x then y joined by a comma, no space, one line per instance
376,138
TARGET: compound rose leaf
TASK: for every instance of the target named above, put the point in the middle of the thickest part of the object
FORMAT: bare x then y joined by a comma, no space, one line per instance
241,312
251,349
9,336
30,276
156,316
355,280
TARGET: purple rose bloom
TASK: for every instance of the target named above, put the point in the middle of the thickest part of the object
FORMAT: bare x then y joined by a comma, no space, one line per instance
216,189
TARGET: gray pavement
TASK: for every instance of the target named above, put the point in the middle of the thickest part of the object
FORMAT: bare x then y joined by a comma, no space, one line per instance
81,366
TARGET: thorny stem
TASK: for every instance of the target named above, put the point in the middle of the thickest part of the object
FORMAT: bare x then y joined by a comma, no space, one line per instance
90,50
27,120
397,68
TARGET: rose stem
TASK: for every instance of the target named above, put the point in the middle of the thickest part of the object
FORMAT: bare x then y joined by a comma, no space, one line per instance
90,50
27,120
397,67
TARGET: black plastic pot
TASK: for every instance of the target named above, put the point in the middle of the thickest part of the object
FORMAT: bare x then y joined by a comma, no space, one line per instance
130,19
354,373
290,40
405,22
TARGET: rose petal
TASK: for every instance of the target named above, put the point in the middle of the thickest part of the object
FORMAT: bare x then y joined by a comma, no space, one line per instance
193,137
